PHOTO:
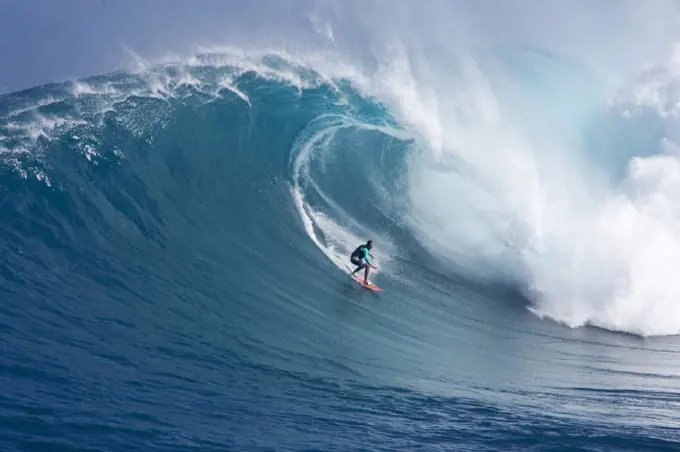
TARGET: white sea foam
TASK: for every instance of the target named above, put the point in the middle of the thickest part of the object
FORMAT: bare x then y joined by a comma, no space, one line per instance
503,188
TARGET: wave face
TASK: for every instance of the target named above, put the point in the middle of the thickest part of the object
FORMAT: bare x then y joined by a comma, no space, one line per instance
175,240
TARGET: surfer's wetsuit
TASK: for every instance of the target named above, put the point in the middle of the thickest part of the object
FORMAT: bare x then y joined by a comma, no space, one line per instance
360,257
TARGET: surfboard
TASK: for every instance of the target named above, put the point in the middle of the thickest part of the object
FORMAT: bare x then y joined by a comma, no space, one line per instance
359,278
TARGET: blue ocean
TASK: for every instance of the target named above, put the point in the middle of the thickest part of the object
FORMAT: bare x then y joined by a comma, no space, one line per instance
175,240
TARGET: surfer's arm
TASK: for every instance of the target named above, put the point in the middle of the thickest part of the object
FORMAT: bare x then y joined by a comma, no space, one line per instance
366,257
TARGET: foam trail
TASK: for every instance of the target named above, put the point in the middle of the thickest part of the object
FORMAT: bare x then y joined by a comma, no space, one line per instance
336,235
309,217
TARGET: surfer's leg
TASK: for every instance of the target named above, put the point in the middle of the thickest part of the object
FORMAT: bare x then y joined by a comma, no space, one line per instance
368,267
358,263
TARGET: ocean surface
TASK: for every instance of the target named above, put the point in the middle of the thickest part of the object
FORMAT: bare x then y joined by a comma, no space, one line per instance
174,241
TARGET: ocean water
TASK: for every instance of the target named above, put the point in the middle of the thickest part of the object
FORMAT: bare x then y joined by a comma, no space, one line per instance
174,240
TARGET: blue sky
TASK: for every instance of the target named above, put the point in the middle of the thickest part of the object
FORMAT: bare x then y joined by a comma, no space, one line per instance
48,40
53,40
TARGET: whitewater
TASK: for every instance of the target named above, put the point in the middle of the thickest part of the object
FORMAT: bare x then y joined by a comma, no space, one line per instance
175,236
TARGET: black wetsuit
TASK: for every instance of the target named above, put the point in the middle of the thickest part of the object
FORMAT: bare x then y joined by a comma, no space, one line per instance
360,256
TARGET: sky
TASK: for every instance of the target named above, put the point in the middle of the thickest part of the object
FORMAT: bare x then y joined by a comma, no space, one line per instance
54,40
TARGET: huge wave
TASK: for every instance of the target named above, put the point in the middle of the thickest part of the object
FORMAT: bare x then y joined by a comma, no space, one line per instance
518,167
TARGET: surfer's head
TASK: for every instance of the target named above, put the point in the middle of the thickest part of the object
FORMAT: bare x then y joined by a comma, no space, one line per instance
369,244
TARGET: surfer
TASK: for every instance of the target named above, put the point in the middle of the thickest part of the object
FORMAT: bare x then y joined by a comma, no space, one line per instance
360,258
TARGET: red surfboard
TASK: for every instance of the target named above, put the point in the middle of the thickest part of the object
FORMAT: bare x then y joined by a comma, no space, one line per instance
359,278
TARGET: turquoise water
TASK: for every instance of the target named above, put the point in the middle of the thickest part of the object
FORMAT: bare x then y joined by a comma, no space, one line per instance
173,246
